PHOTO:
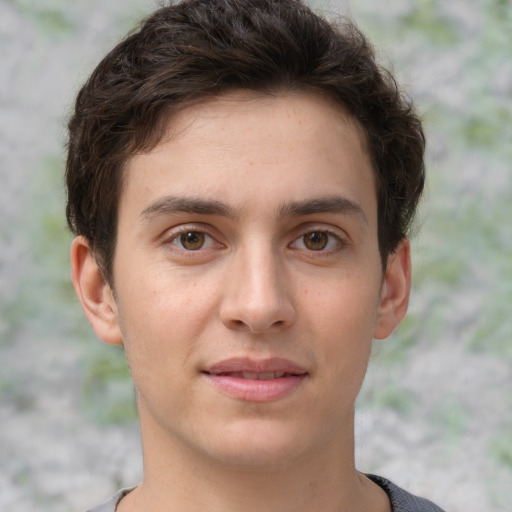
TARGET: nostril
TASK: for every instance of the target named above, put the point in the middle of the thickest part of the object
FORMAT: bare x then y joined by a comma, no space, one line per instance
257,316
238,324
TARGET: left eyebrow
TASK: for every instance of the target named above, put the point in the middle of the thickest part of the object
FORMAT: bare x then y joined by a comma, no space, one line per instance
328,204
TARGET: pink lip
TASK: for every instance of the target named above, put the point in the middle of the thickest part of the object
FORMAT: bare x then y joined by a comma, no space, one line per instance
246,364
225,376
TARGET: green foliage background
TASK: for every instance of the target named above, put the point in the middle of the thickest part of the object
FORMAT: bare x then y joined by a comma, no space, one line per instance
455,59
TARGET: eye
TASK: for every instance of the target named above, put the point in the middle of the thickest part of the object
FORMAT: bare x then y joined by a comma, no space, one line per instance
193,240
317,241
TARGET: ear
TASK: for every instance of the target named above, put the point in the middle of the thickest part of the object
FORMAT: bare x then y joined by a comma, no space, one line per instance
94,293
395,291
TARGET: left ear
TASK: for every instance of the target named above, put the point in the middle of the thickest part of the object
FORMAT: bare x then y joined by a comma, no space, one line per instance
396,288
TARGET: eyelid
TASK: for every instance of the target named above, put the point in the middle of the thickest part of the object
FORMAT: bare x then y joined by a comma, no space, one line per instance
208,241
336,233
173,234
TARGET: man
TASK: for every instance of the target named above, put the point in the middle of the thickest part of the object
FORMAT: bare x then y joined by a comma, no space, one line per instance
241,176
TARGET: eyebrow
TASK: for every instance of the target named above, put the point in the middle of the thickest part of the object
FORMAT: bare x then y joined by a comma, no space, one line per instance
330,204
173,204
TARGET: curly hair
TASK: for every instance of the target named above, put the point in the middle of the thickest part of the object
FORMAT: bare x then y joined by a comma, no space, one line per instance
198,49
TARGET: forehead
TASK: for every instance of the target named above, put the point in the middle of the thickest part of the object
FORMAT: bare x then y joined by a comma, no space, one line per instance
252,148
296,113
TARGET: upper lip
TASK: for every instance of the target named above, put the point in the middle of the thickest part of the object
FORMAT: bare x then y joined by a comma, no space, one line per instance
247,364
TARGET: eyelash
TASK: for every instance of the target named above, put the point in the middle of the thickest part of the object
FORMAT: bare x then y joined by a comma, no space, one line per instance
176,240
332,238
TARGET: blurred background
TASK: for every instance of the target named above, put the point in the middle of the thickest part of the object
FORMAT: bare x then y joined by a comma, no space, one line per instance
435,413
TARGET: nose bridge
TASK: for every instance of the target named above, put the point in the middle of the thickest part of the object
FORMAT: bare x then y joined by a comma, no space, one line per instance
257,296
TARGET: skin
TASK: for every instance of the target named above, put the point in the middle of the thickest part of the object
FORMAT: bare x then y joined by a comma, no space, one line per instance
253,285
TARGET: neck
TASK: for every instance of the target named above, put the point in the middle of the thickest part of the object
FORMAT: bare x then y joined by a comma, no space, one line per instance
177,478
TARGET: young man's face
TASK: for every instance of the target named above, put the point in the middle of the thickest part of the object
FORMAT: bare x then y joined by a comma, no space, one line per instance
247,276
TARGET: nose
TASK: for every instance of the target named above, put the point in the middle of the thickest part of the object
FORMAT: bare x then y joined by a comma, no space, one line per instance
256,293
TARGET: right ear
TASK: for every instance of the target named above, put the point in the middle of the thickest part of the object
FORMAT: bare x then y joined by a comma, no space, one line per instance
94,293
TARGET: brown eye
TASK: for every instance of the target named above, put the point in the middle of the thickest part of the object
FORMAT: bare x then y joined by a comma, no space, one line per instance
192,240
316,240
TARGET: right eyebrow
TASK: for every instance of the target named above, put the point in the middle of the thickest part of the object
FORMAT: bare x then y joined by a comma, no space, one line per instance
173,204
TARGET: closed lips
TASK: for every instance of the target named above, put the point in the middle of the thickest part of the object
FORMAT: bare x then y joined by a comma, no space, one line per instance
243,366
256,375
252,380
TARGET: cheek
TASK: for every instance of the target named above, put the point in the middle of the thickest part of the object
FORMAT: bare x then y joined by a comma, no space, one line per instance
348,303
161,320
342,318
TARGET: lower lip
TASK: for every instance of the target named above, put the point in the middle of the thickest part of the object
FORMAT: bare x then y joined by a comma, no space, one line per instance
256,390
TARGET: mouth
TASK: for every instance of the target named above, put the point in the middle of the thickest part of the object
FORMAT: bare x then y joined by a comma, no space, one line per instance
256,381
256,375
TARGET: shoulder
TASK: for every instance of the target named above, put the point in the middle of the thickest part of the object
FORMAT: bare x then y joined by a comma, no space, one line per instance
111,504
403,501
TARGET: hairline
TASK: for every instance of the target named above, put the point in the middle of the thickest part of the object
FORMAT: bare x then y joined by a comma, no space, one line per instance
162,133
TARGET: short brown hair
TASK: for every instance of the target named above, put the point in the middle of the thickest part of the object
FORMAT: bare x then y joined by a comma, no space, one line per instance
201,48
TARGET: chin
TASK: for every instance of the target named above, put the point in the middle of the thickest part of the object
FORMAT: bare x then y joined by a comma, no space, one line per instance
259,445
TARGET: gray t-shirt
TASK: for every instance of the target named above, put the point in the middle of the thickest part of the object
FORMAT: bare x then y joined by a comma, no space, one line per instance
401,501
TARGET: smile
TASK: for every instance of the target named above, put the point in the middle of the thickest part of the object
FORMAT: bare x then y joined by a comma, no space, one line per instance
256,381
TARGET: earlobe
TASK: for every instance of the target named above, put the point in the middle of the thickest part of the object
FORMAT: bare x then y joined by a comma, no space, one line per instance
94,293
395,291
